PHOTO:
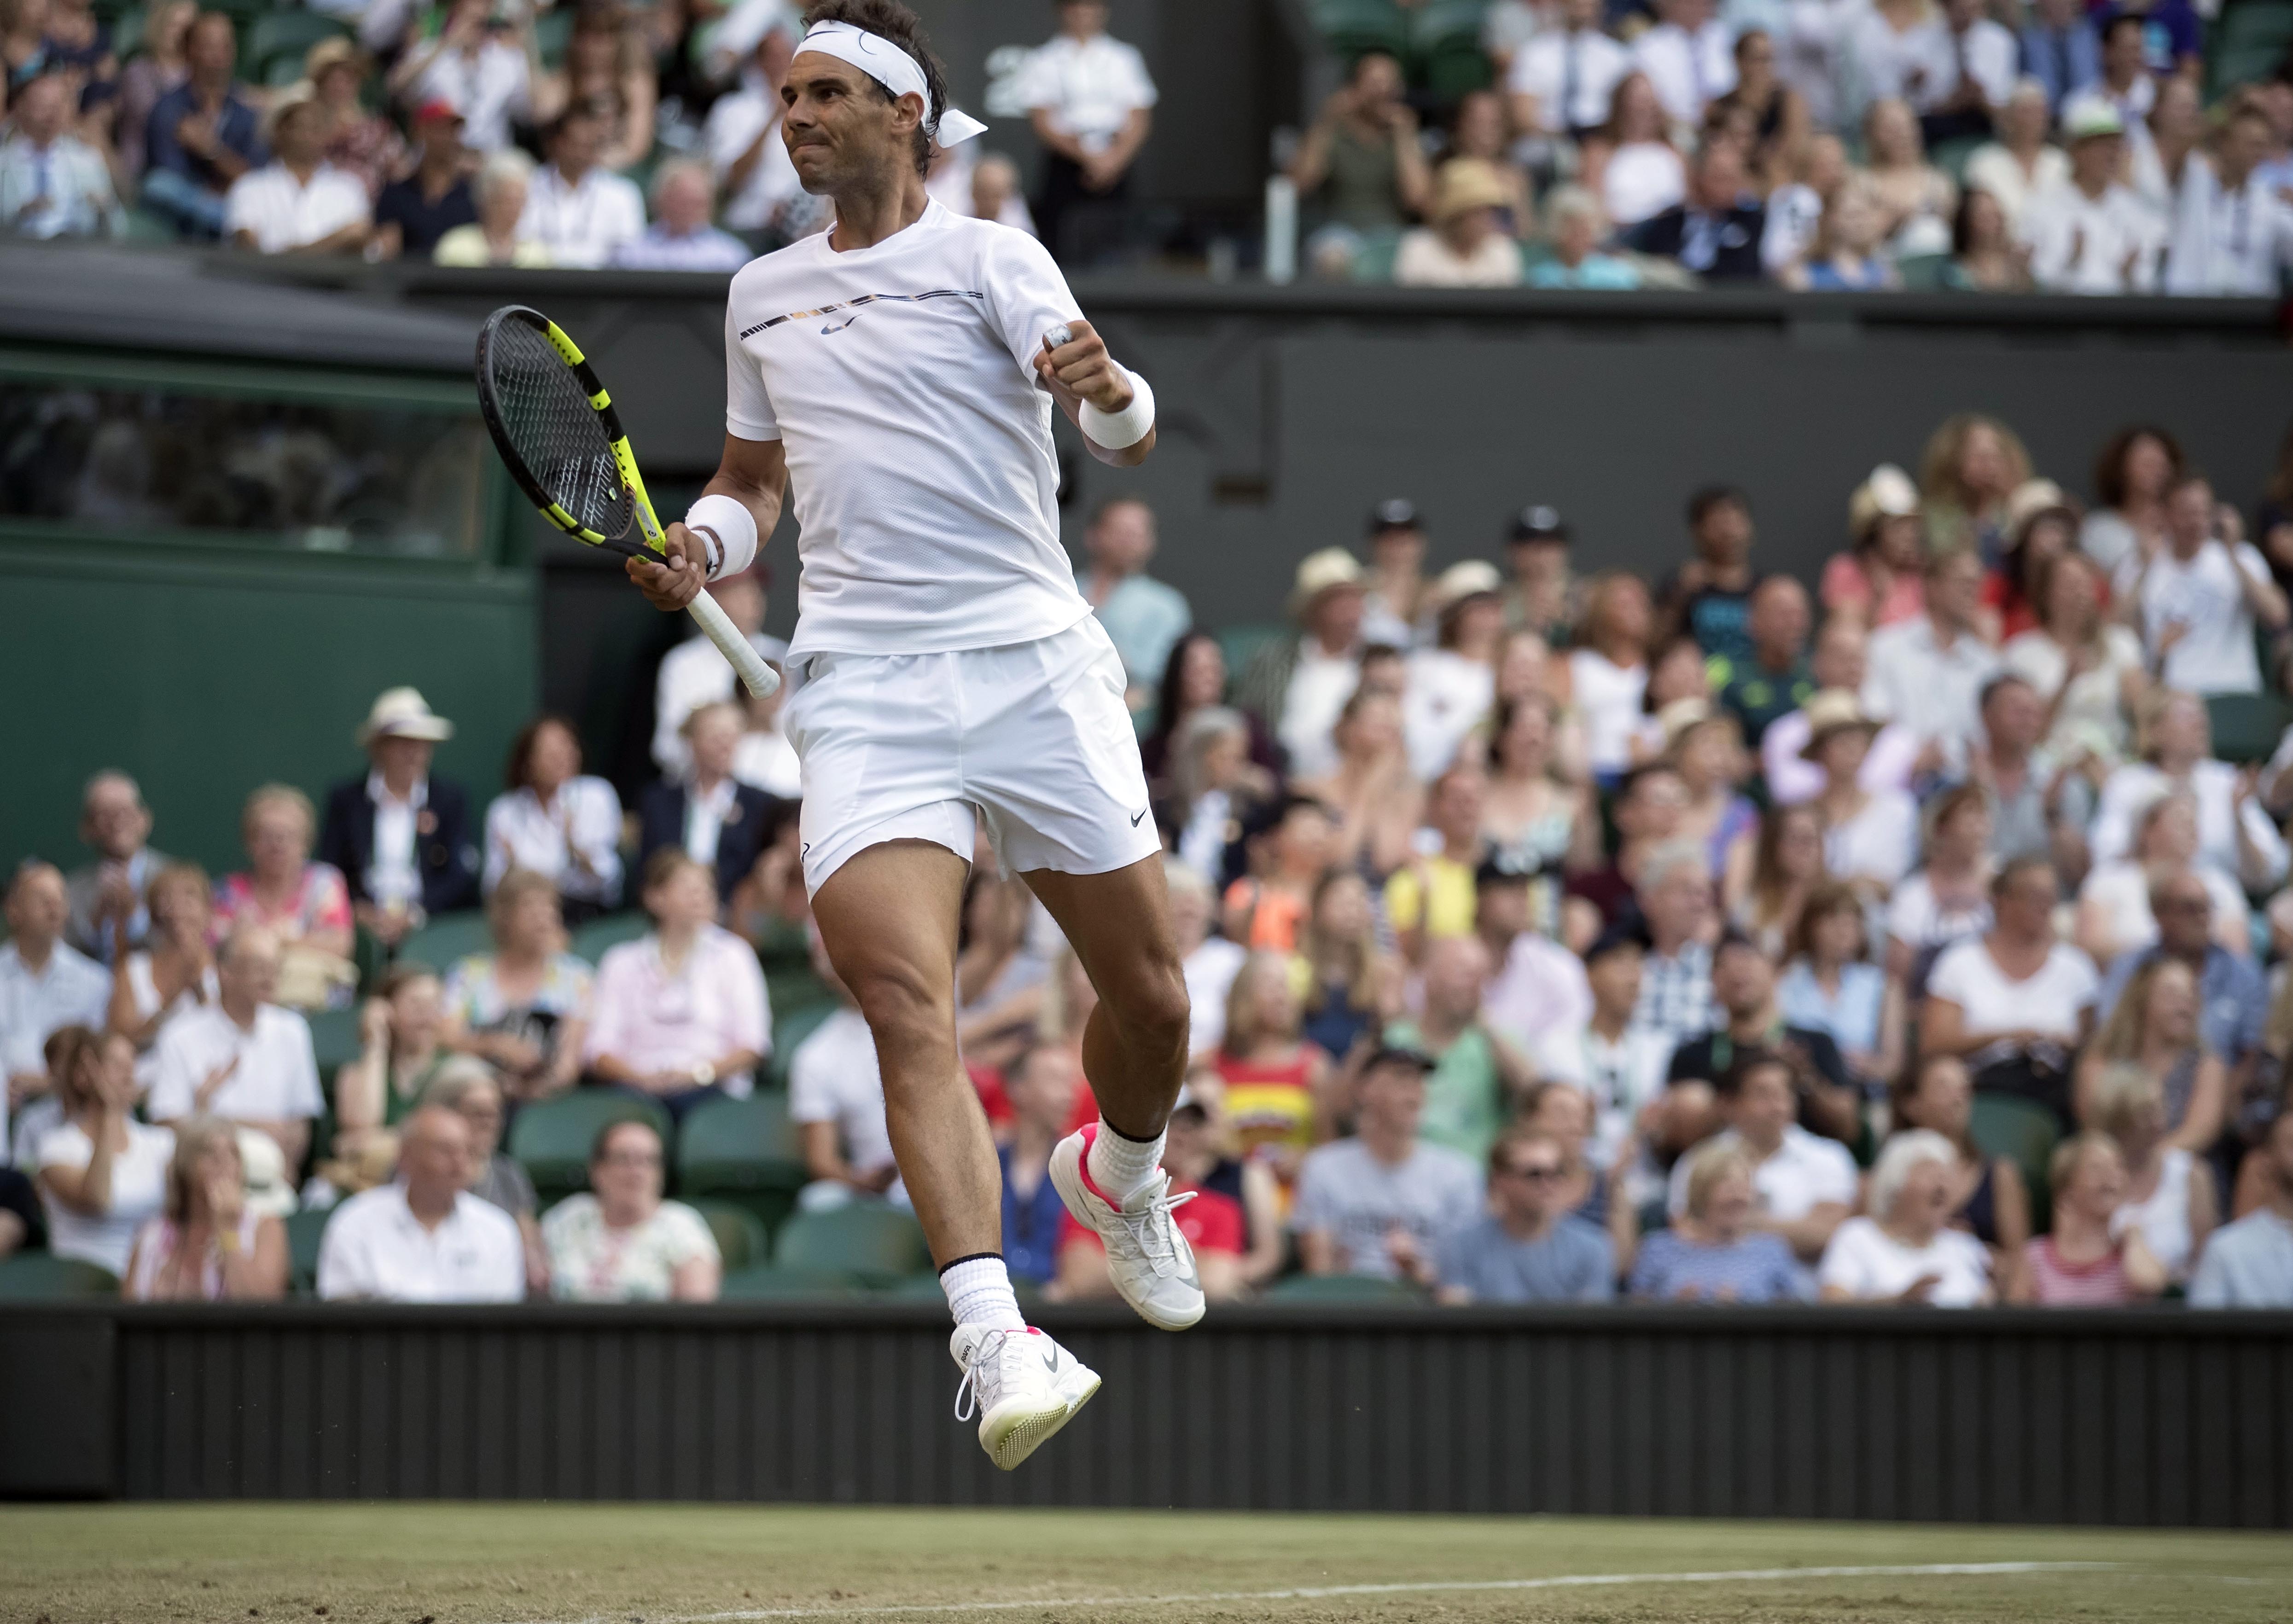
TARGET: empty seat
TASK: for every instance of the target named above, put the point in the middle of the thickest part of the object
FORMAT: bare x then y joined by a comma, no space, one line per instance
741,1242
877,1246
446,940
775,1281
305,1231
45,1277
1342,1289
591,940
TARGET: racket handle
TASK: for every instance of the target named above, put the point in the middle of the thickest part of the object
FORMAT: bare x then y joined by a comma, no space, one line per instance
760,678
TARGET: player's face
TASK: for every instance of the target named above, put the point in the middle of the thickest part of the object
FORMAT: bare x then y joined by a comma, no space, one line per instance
840,131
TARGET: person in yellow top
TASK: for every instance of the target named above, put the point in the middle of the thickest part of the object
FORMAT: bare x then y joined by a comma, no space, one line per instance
1431,896
495,239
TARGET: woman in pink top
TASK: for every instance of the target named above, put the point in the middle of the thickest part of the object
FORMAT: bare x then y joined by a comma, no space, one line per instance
1883,579
206,1245
2082,1264
304,903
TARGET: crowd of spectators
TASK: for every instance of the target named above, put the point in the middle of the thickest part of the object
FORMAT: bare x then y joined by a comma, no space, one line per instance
582,133
1549,939
1980,144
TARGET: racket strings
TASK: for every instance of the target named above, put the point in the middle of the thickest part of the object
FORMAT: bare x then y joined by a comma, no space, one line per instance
554,430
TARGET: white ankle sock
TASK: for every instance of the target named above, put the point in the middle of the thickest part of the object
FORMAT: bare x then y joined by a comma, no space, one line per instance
979,1293
1120,1165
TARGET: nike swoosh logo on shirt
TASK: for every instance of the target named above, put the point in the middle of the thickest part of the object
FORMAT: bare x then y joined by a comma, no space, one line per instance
1138,814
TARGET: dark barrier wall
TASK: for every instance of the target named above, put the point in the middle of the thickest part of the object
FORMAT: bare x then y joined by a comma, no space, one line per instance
2135,1418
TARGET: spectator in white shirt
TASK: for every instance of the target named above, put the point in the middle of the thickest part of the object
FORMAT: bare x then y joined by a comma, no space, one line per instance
2199,598
2175,740
836,1099
1906,1252
680,238
424,1238
580,213
102,1172
1689,57
693,674
1631,162
2014,1002
620,1242
52,183
483,64
1090,100
2092,234
45,984
1928,674
2234,232
1805,1185
1898,49
1560,83
243,1057
1621,1067
1209,963
298,203
1985,56
2021,162
755,179
557,821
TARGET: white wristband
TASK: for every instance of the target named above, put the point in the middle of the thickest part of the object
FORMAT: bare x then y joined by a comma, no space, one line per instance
1119,429
734,528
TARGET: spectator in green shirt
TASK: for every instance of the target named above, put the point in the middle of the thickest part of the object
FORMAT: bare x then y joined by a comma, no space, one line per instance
1775,680
1477,1076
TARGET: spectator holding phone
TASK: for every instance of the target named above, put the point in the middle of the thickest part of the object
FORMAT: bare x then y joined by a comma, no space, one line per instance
1361,165
483,64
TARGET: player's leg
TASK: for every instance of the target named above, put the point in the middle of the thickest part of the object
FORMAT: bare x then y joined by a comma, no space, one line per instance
888,917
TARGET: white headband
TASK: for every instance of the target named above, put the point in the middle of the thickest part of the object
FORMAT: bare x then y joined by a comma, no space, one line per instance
892,68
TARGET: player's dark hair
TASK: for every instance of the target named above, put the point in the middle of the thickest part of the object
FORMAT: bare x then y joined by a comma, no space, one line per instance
901,25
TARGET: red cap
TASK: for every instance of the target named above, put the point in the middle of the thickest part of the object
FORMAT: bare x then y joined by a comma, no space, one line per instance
436,111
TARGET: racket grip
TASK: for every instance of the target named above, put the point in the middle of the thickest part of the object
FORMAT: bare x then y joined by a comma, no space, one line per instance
760,678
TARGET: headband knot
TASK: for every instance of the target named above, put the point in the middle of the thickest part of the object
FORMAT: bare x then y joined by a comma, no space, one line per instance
895,70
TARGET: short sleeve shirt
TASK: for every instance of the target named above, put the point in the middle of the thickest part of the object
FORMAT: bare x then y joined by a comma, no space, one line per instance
1573,1263
833,1076
1358,1201
1867,1263
1089,87
590,1262
2048,1002
900,378
274,1069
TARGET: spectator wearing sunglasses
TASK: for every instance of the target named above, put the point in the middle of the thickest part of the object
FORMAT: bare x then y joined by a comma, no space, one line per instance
1529,1247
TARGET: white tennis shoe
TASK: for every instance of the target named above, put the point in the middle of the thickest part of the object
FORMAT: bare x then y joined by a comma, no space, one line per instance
1024,1387
1150,1262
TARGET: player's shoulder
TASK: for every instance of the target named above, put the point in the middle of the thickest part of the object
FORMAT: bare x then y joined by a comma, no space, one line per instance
769,270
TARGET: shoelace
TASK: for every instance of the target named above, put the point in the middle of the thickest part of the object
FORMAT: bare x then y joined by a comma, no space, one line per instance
1152,1228
967,1391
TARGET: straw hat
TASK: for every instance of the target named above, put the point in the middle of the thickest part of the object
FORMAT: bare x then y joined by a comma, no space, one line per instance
1465,184
2032,498
1834,710
1326,571
1472,579
402,712
1887,494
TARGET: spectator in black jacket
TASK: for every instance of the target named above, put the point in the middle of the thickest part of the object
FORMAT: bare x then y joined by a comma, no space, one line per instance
1715,233
401,837
706,813
1744,985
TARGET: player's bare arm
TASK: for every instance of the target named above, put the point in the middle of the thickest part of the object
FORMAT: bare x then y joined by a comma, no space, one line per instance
753,472
1082,370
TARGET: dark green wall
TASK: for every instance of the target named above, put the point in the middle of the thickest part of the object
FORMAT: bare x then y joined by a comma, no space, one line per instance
206,674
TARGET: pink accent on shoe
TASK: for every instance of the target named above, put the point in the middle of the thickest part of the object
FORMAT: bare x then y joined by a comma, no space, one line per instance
1090,1138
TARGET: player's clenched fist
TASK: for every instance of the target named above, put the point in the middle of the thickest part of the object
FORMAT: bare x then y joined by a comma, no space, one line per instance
674,580
1080,370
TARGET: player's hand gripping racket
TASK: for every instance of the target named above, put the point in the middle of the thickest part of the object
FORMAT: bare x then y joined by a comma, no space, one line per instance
557,431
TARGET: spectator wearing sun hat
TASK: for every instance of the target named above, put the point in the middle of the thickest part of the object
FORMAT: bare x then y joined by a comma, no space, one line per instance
1297,685
412,214
1465,246
1454,683
1881,578
297,203
363,144
2093,233
400,836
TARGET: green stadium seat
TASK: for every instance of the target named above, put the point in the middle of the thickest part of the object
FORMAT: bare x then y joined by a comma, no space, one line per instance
2246,727
783,944
1444,37
141,224
740,1238
126,31
551,1140
39,1277
776,1283
742,1151
790,1028
2246,42
1242,644
334,1036
795,986
1922,273
591,940
304,1230
878,1245
553,30
447,940
1341,1288
288,32
1950,156
2025,1133
1354,28
282,71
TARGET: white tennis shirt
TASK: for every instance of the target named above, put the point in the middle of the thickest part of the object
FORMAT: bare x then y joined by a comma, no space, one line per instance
900,378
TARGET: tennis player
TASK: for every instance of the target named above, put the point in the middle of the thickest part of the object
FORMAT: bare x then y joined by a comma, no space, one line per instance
900,371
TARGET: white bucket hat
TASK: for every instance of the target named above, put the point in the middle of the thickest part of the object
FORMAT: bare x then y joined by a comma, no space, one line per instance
402,712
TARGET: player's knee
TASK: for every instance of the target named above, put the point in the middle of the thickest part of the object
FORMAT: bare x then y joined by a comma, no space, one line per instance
1153,1013
902,1006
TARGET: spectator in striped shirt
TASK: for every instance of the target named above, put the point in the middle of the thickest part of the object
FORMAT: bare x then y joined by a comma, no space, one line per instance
2082,1263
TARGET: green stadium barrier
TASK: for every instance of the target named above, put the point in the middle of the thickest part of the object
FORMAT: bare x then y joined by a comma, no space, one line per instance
552,1139
876,1245
1342,1289
790,1028
334,1036
43,1277
741,1242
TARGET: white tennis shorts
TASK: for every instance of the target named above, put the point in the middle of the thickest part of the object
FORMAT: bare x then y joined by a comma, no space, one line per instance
1034,737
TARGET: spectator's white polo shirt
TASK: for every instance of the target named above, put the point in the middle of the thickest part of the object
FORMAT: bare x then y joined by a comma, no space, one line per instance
581,224
1687,71
833,1078
284,213
2216,654
1089,88
70,988
275,1078
1804,1173
376,1248
1572,73
2082,245
1934,691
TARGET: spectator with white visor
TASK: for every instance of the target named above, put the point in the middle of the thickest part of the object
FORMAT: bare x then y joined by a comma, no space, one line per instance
2091,233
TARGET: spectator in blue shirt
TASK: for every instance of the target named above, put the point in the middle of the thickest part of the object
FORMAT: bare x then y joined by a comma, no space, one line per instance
2249,1264
2060,50
1529,1247
1040,1085
203,135
1713,1255
1143,617
680,238
2171,32
2232,998
1574,222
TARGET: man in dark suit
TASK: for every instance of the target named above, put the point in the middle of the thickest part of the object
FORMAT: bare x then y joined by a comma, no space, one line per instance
709,812
1716,232
401,837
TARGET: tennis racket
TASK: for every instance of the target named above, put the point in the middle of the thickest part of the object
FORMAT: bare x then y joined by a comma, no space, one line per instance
558,434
